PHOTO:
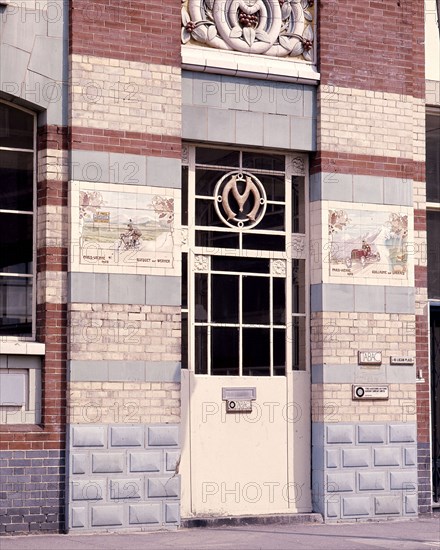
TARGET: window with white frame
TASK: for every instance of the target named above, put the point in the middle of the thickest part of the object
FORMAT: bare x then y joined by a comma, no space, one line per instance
17,196
244,304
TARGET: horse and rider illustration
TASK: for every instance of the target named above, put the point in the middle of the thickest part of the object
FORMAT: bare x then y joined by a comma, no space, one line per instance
130,239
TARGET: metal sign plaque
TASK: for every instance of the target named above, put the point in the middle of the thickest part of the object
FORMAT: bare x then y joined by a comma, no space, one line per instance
401,360
370,392
242,405
369,357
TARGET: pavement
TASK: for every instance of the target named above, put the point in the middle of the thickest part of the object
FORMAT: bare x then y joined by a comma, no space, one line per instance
419,534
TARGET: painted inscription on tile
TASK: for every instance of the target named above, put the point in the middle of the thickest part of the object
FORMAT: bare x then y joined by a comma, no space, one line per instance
126,228
369,244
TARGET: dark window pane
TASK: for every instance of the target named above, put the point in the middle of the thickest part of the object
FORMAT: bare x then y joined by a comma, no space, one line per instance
260,161
433,158
16,128
217,157
298,286
274,186
224,351
184,280
200,352
16,180
256,300
216,239
15,306
184,195
263,242
206,180
201,297
184,329
256,352
433,235
298,343
298,205
279,351
16,243
251,265
273,218
206,214
224,299
279,301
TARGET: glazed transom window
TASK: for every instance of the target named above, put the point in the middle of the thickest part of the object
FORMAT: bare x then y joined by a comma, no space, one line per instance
17,162
244,304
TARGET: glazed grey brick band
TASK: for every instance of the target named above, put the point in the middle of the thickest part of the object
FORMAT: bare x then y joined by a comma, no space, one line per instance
124,371
354,374
104,288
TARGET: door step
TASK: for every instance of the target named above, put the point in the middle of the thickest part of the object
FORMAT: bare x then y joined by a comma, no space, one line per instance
235,521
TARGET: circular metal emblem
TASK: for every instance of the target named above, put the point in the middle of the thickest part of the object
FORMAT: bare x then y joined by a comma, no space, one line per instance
240,200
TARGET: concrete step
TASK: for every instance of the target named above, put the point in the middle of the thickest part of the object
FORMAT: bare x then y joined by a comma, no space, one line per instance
234,521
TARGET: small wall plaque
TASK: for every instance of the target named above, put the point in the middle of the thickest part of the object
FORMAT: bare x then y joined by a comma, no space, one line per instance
369,357
401,360
242,405
370,392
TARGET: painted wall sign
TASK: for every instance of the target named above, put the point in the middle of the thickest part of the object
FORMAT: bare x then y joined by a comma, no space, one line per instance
370,392
401,360
369,357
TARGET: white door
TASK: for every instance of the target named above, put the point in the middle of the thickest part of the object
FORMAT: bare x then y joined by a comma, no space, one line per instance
244,320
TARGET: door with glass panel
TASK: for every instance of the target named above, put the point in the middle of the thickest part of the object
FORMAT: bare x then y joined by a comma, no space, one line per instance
245,381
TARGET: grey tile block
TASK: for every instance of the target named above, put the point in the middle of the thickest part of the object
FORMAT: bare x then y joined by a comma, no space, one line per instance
340,433
126,289
162,371
249,128
290,99
79,463
221,126
403,433
236,92
172,459
23,362
410,456
93,166
368,189
411,505
338,297
405,480
194,123
126,370
88,371
107,516
399,299
309,103
356,506
90,288
126,488
386,456
369,298
163,436
163,172
88,489
385,505
44,64
78,516
372,481
372,433
355,458
160,487
126,436
315,188
316,297
172,512
206,90
107,462
87,436
398,191
303,133
162,291
149,461
145,513
128,169
263,98
332,458
319,434
276,130
341,482
336,187
20,31
187,89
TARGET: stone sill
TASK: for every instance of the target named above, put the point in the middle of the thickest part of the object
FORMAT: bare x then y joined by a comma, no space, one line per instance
21,347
